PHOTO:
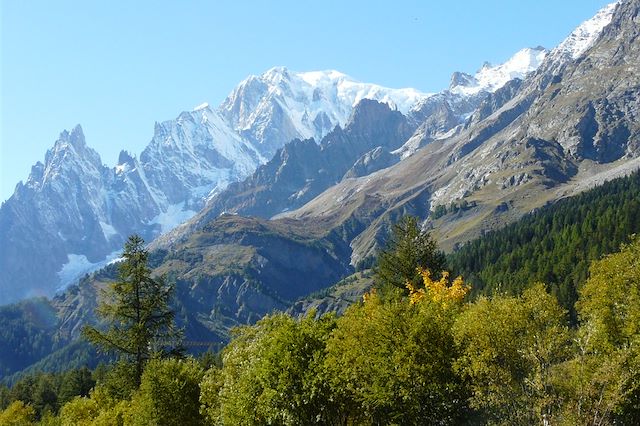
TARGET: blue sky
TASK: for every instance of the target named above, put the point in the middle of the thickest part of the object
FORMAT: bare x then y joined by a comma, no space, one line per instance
116,67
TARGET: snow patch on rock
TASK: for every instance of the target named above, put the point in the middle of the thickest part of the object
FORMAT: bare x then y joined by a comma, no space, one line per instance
583,37
172,217
78,265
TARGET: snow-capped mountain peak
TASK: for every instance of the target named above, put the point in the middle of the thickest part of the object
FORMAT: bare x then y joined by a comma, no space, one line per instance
195,154
73,141
350,91
490,78
585,34
280,105
275,74
69,155
201,106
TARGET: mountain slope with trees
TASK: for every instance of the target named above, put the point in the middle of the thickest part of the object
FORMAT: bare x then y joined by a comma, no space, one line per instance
421,356
555,244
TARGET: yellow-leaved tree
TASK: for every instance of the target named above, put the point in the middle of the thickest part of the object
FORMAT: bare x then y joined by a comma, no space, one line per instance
391,361
441,291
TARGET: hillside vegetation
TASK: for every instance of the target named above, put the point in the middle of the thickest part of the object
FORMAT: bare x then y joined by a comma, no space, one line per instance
555,244
420,356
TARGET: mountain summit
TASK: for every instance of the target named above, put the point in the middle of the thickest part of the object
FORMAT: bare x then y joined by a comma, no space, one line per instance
281,105
491,78
399,146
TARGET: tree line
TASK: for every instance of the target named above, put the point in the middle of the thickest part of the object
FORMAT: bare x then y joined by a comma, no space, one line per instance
555,245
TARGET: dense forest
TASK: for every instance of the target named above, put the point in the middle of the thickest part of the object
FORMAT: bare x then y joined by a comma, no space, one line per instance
26,331
554,245
543,328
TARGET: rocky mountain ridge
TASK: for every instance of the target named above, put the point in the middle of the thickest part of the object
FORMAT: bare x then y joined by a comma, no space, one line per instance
531,143
74,212
190,160
570,124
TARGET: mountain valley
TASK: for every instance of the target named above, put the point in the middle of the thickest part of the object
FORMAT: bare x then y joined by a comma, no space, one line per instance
295,181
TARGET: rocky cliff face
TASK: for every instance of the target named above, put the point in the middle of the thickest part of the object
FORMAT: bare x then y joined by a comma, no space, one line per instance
591,106
74,213
302,169
195,156
280,105
443,115
572,122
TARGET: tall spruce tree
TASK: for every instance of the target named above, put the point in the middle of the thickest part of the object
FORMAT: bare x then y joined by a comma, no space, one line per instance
136,311
408,249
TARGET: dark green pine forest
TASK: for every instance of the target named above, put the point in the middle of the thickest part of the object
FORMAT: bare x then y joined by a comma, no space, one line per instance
554,245
537,323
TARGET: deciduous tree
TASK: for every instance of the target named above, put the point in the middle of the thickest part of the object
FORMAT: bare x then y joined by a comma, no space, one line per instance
273,374
603,380
510,346
391,361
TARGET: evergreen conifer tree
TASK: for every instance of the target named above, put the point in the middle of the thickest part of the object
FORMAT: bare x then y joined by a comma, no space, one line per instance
136,311
408,249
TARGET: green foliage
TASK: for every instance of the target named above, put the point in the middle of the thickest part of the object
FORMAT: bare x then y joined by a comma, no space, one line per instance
46,392
45,397
79,412
272,374
98,409
407,249
554,245
610,300
49,419
210,359
5,398
210,402
510,346
598,388
424,357
392,363
75,383
17,414
117,380
603,379
169,394
118,414
73,356
442,210
39,391
136,308
25,335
